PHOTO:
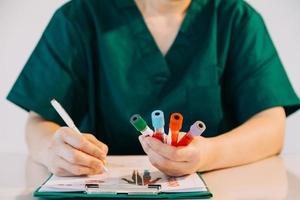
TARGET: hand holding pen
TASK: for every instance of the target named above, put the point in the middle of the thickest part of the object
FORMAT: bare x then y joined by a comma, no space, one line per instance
72,153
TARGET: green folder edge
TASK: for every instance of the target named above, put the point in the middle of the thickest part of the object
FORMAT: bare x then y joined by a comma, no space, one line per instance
59,195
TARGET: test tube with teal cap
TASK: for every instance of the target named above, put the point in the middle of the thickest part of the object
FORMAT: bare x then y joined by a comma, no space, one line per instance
158,122
140,124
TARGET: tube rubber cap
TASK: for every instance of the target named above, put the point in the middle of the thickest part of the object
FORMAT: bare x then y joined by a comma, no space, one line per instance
138,122
176,120
197,128
158,120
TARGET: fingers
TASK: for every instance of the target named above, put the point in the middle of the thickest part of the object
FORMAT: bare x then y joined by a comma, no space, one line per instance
77,154
77,157
65,168
169,167
145,145
167,151
79,142
60,172
96,142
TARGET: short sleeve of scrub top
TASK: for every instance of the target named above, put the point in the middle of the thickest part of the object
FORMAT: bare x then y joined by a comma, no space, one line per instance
255,77
53,71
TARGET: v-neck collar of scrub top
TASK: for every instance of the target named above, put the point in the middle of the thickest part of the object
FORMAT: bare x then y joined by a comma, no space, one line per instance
158,65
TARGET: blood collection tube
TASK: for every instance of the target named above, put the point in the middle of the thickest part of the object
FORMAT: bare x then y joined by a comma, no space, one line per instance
175,125
158,122
195,130
140,124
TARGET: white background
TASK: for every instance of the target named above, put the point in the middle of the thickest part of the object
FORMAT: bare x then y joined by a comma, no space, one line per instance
22,23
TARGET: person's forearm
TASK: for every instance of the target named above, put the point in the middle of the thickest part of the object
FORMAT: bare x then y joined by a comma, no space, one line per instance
38,136
62,150
260,137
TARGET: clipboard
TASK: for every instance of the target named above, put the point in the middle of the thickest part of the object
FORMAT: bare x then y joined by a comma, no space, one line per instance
125,180
149,192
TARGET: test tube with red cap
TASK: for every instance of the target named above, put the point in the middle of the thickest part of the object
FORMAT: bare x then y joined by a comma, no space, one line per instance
175,125
158,122
140,124
195,130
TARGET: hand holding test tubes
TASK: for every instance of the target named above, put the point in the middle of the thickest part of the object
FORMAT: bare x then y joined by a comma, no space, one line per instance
176,120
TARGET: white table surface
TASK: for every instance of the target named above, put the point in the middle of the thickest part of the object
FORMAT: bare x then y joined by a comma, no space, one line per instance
274,178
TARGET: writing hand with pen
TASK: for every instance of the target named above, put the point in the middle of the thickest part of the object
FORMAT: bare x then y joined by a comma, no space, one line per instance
72,153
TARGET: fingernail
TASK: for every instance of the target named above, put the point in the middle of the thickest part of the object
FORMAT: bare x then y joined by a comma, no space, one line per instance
105,162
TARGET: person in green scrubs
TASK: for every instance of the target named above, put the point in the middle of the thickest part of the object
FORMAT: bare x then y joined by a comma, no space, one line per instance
211,60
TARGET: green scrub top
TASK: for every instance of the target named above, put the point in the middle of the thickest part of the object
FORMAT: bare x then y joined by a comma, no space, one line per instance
99,60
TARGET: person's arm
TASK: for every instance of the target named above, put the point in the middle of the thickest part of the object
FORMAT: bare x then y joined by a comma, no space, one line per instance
63,151
259,137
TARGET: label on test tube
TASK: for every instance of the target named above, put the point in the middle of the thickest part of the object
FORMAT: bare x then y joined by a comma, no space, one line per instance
140,124
175,125
195,130
158,122
158,136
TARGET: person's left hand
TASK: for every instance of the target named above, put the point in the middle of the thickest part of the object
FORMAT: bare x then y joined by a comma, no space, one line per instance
177,161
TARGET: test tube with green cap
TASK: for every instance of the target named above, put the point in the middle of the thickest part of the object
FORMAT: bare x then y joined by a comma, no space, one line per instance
140,124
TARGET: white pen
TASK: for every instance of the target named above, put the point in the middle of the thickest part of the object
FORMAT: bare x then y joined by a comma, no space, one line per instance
64,115
67,119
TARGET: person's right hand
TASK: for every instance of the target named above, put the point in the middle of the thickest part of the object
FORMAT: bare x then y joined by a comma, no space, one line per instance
73,154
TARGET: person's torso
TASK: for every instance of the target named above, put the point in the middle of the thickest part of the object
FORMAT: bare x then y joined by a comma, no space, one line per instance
127,74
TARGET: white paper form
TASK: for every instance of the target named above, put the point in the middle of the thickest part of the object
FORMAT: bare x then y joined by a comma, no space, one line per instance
124,172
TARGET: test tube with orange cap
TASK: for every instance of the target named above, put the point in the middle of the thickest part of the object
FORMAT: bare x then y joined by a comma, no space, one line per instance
195,130
175,125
